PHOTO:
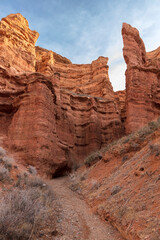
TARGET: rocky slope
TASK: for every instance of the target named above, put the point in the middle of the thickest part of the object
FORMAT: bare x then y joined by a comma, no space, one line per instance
53,114
123,187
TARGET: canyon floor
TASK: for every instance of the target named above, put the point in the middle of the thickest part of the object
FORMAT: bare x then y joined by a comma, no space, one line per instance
76,221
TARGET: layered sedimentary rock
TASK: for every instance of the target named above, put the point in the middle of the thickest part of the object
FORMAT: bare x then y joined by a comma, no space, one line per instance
153,58
121,102
46,59
17,44
52,128
53,113
142,80
90,79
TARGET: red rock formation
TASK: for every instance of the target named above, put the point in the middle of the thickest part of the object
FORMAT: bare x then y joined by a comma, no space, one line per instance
46,59
121,102
123,187
90,79
17,44
153,58
142,80
53,128
60,112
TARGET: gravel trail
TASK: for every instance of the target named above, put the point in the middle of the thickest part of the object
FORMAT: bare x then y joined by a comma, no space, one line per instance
76,221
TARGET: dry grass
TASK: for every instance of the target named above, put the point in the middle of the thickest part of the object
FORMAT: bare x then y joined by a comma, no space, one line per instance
92,158
2,152
8,162
32,170
25,209
129,143
4,174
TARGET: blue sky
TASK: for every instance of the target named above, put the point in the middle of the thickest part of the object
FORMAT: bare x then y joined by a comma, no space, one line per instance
83,30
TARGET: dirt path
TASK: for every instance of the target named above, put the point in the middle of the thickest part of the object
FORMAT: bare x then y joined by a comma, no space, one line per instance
76,220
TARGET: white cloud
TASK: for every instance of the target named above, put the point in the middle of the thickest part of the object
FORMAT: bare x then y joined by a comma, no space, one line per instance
117,77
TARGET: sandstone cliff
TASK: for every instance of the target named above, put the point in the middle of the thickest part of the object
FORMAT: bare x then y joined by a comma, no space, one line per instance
53,113
53,128
142,80
91,79
121,102
17,44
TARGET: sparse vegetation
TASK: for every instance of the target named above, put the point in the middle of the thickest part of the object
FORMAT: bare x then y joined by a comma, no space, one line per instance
8,162
32,170
25,210
2,152
4,174
115,190
155,149
93,158
26,206
124,145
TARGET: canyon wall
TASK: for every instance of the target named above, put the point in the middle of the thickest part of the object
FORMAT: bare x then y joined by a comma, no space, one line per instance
91,79
53,113
142,80
17,44
53,128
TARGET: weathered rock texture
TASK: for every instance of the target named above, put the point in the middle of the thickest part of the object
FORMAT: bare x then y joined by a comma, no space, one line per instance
121,101
52,112
142,80
123,187
17,44
53,128
91,79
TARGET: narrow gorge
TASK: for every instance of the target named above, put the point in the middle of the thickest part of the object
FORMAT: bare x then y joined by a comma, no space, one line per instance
66,121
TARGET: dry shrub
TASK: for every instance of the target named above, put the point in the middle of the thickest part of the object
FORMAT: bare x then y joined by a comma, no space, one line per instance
155,149
126,144
24,212
4,174
2,152
92,158
32,170
8,162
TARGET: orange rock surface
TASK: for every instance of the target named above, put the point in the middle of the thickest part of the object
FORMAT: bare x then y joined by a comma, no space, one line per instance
17,44
91,79
123,187
142,80
53,112
53,128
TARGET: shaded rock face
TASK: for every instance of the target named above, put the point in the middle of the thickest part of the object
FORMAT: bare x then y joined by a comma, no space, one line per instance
142,80
52,113
121,102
